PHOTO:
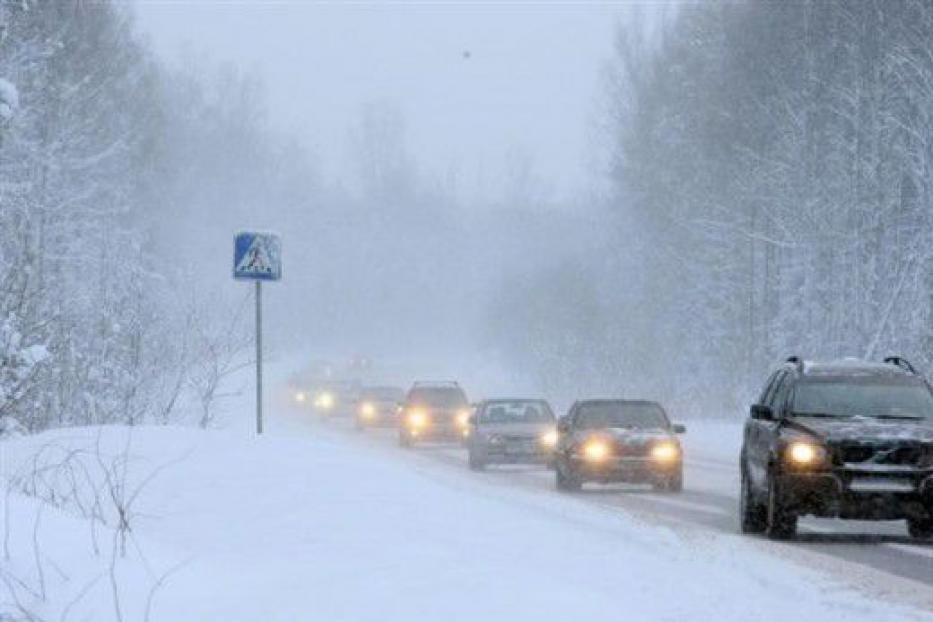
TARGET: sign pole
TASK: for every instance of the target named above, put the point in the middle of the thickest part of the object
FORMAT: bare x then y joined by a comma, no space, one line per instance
258,357
257,257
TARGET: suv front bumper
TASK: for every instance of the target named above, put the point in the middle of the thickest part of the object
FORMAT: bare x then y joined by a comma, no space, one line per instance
859,494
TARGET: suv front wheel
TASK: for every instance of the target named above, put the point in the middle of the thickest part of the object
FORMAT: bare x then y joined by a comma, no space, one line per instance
753,515
920,528
781,521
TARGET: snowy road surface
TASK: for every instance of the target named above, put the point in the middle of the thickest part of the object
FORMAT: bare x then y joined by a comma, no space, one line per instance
866,553
315,522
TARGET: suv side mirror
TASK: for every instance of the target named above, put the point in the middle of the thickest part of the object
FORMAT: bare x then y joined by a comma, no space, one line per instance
762,412
679,428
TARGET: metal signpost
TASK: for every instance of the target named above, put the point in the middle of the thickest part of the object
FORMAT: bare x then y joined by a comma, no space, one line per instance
257,257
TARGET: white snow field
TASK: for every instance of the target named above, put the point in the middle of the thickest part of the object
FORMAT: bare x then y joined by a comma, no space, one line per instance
318,527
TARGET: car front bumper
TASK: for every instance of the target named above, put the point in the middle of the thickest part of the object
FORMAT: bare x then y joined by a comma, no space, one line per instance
630,470
529,452
436,433
859,494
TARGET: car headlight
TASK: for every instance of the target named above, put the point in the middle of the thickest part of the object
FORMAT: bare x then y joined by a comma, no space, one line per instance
463,418
804,453
417,418
368,410
596,451
549,438
665,452
324,400
301,397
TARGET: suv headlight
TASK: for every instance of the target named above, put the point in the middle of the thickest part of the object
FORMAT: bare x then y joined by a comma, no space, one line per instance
417,418
805,454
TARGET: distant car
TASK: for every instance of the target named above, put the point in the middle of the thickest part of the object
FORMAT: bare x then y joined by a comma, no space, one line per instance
512,431
378,407
434,411
608,441
848,439
335,398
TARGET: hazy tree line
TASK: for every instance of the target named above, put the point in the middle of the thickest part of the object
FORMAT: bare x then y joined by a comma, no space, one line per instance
771,165
99,320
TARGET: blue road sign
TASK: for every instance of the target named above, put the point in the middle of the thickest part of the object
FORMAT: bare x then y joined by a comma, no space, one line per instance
257,256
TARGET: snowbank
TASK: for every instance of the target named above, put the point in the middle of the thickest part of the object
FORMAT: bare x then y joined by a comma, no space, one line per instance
323,529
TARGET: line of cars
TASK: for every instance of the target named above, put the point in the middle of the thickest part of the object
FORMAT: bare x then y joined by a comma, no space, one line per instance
849,439
603,441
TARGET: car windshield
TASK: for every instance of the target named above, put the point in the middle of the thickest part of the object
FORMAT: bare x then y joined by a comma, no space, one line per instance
882,398
438,397
639,415
519,411
384,394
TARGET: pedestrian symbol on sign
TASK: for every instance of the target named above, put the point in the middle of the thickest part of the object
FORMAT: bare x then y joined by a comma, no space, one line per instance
257,256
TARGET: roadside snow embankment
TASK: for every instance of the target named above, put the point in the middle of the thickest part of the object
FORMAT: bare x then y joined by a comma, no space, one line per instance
322,529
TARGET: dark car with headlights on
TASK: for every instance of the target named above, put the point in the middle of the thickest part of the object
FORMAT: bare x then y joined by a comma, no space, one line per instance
511,431
608,441
846,439
434,412
378,407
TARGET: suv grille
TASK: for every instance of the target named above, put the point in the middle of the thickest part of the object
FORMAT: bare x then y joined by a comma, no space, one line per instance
887,454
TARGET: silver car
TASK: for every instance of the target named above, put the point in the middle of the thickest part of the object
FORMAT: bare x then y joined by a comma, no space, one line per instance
512,431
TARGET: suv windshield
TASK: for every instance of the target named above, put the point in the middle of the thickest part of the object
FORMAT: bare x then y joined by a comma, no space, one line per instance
640,415
883,398
518,411
438,397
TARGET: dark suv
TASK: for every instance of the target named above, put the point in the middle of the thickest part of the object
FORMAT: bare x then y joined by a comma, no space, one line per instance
434,411
618,441
847,439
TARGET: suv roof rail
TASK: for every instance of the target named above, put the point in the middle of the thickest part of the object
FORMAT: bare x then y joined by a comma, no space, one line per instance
901,362
796,361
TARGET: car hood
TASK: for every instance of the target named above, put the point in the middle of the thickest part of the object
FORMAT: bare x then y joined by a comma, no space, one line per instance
516,429
626,435
863,429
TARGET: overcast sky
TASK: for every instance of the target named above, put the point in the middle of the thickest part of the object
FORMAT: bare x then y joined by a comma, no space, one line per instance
477,82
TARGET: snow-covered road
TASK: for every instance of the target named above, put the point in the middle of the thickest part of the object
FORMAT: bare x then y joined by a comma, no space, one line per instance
316,522
877,557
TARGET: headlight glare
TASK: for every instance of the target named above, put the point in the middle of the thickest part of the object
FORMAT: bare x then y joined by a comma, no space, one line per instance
803,453
324,400
417,418
549,438
665,452
596,451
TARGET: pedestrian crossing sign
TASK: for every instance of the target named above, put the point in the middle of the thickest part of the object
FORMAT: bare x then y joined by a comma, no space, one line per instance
257,256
